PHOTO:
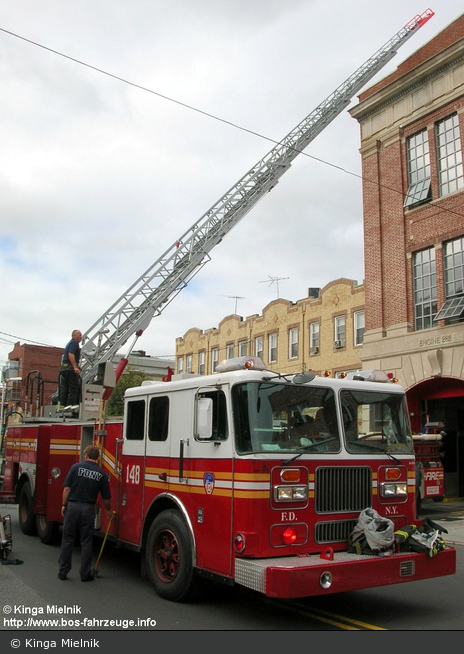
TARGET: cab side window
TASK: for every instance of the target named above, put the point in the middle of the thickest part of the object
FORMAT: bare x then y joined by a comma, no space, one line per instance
158,419
135,422
220,425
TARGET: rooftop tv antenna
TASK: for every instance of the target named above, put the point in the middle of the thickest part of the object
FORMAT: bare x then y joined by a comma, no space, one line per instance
274,280
234,297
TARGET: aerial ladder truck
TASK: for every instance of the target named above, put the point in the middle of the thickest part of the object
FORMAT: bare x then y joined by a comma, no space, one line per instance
244,476
151,293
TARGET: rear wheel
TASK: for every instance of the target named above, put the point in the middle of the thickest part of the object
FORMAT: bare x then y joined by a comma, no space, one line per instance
26,510
169,558
47,530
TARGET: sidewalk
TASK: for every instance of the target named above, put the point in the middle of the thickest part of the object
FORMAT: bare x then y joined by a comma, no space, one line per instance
449,514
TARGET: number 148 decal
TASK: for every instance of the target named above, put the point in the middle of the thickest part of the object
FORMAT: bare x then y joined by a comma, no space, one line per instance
133,474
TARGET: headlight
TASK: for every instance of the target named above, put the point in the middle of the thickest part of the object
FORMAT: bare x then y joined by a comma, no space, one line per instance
394,490
290,493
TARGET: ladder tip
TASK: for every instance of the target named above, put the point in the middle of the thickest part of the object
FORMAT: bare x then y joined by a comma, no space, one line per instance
420,19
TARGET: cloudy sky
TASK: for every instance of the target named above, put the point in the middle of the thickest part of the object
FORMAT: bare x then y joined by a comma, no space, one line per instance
105,162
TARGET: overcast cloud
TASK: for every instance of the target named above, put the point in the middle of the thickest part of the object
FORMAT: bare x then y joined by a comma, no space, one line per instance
98,177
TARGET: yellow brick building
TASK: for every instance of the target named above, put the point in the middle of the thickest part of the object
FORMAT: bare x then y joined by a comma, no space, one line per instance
323,331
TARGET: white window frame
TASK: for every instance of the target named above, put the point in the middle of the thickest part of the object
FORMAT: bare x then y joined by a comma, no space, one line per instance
180,365
449,155
259,347
242,349
188,366
418,159
214,358
201,362
229,351
340,331
314,338
272,347
293,343
359,327
424,288
453,257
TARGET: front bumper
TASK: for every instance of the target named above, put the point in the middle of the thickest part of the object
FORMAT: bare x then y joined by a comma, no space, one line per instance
301,576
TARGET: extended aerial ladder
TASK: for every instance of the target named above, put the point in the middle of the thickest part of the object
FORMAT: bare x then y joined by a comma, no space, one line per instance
131,314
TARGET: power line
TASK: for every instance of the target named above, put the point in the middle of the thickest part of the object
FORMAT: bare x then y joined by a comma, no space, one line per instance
213,116
19,338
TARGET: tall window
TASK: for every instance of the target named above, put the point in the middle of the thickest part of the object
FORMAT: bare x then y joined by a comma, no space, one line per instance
417,152
180,365
339,331
425,289
272,348
189,363
201,362
454,267
450,175
293,343
453,308
359,327
242,348
259,346
314,338
230,351
214,358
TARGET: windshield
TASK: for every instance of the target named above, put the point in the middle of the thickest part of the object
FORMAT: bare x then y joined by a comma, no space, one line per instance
375,421
284,417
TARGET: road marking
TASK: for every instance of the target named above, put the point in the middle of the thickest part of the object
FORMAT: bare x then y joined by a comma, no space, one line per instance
340,621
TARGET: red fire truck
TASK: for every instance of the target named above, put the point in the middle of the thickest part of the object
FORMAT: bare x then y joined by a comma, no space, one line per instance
244,476
428,449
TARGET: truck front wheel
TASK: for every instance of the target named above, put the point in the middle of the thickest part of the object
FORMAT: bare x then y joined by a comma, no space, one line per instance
47,531
169,557
26,510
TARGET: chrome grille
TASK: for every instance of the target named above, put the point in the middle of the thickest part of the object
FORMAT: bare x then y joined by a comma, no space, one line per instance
344,489
333,532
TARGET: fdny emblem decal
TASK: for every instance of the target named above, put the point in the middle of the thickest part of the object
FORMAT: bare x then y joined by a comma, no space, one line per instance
208,482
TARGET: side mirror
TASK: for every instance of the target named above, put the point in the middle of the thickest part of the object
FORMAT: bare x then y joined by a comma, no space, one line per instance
204,429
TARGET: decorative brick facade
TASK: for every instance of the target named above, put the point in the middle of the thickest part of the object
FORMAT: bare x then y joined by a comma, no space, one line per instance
235,335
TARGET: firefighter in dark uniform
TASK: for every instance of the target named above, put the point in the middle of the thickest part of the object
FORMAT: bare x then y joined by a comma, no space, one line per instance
69,375
85,481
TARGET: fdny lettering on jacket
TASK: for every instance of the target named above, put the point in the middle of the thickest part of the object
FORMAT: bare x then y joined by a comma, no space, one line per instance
91,474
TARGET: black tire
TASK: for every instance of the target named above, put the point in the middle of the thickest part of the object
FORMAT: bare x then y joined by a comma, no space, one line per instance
47,531
26,510
438,499
169,558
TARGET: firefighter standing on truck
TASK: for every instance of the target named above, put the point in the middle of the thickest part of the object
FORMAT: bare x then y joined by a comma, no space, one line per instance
85,481
69,376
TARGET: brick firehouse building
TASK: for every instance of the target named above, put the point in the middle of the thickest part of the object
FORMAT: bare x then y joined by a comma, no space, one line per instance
412,132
